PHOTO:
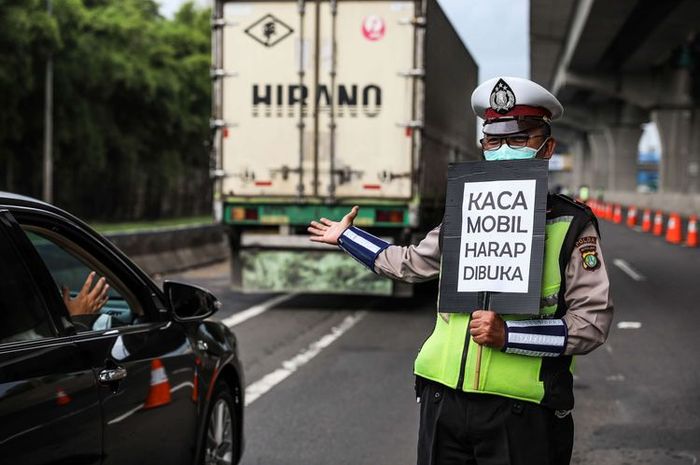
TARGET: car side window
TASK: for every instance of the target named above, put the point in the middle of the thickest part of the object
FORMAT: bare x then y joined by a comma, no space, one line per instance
93,304
23,314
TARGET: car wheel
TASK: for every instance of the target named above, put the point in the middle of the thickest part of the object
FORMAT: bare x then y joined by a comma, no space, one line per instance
220,428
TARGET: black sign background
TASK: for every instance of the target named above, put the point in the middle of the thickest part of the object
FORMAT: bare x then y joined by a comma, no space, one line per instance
451,301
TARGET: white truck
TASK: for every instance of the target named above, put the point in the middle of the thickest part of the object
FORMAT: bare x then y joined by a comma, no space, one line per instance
319,105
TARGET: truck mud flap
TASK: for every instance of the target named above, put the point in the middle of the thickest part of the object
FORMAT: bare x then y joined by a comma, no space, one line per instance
308,271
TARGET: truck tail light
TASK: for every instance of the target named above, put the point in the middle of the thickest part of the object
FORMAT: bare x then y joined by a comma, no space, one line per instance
237,213
389,216
244,214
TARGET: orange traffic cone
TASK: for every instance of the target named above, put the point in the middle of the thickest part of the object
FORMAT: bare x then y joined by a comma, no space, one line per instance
609,213
632,216
646,220
692,239
658,224
673,229
61,397
617,216
159,392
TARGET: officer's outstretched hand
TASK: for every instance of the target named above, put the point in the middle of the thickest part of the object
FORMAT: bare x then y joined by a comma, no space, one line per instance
328,231
488,329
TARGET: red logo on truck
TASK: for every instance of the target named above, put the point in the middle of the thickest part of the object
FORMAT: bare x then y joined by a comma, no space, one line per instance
373,28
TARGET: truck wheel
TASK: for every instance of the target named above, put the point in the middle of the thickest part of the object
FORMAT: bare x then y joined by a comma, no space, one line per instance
219,433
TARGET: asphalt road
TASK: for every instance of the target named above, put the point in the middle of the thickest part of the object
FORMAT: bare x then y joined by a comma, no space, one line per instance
330,377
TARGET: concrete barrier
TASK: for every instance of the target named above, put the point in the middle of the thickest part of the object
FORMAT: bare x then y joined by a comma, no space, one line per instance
685,204
685,226
173,249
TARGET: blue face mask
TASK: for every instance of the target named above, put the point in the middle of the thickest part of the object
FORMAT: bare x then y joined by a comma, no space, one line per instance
505,152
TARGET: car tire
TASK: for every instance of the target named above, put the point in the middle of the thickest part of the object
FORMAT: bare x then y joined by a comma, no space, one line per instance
220,428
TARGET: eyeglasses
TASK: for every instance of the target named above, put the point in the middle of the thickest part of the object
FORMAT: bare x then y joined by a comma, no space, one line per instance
516,141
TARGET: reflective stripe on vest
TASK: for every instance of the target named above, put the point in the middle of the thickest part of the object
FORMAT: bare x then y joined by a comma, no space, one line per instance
510,375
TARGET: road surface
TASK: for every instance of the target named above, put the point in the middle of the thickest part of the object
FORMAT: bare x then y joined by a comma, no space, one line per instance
330,377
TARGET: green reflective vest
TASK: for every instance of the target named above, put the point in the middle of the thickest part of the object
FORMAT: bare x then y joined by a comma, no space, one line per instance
448,356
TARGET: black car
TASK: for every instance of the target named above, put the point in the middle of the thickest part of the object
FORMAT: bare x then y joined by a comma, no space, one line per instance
147,379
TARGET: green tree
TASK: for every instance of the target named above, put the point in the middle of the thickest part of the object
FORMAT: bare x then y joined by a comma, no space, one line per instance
132,101
27,35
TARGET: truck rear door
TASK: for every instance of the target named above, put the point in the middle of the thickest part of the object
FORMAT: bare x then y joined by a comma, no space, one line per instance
367,55
267,58
317,98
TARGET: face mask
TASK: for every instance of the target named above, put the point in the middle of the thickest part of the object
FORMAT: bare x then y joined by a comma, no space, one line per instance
505,152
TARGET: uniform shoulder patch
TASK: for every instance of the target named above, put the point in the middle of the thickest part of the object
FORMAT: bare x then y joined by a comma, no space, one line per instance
588,247
587,240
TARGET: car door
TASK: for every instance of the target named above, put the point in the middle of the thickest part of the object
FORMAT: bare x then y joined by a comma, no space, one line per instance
145,364
49,405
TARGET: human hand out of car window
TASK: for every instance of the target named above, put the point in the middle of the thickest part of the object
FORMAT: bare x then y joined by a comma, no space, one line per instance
90,299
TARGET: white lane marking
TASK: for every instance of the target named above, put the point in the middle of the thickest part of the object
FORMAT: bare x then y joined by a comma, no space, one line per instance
267,382
615,378
240,317
631,272
629,325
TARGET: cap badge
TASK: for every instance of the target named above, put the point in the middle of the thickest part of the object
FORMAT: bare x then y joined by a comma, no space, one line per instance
502,97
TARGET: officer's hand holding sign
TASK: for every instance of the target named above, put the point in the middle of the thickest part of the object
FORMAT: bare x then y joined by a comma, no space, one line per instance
488,329
552,297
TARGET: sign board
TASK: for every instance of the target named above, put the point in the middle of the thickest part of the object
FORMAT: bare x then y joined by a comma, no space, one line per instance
493,235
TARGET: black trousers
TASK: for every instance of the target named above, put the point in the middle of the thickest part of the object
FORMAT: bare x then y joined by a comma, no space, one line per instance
458,428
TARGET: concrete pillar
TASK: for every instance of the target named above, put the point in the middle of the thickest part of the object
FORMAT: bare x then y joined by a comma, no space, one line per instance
582,169
577,164
675,131
600,153
694,155
675,125
623,141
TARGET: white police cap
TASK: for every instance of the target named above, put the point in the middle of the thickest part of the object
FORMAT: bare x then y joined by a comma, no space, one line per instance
511,104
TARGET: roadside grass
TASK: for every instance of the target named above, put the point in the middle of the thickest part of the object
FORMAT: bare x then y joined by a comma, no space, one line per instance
104,228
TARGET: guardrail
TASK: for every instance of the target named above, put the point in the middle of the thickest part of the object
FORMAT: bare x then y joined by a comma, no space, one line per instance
167,250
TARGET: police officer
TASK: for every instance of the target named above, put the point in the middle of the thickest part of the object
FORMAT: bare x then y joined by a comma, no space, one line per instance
520,412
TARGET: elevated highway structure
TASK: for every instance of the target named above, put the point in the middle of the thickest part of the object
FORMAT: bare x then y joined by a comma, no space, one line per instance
616,65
